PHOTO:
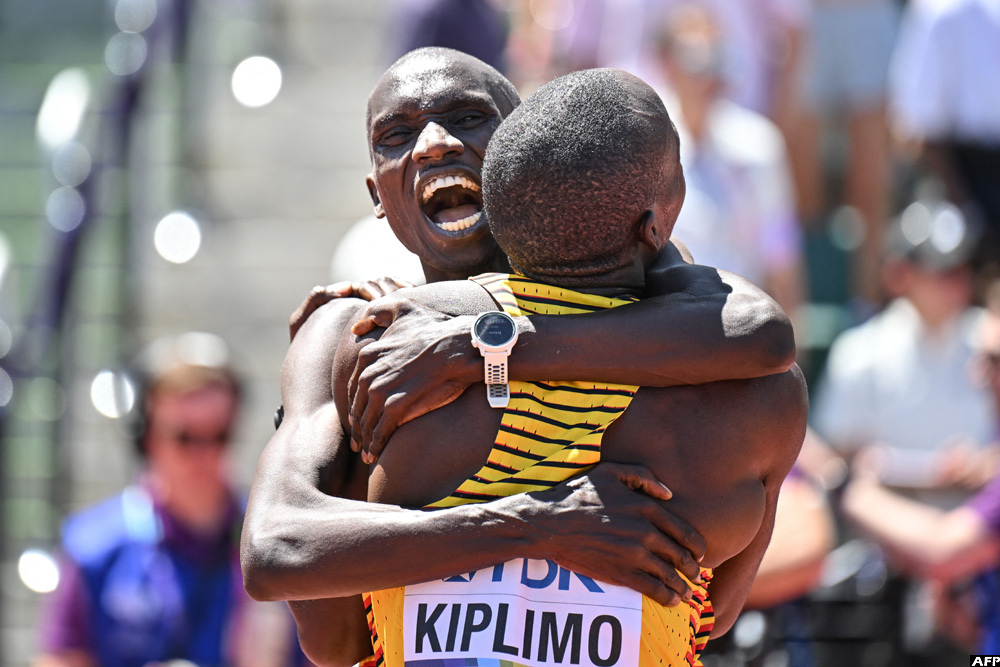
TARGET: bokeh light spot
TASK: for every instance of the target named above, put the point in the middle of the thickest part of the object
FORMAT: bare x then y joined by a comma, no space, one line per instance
71,164
125,53
256,81
948,230
38,570
916,223
177,237
6,339
112,394
6,388
63,107
135,15
65,209
847,229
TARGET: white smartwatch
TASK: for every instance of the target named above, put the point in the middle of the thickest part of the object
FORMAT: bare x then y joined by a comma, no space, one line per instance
494,334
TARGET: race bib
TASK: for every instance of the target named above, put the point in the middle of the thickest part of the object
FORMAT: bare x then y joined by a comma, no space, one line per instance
527,612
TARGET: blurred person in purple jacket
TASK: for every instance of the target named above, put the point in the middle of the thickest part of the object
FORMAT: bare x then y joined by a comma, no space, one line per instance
152,574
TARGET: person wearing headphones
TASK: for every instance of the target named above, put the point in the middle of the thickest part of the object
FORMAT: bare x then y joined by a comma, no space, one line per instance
152,574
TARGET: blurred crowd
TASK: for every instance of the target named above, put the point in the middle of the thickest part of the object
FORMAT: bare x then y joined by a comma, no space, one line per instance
842,154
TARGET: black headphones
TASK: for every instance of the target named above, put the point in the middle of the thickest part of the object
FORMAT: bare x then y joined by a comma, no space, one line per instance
137,421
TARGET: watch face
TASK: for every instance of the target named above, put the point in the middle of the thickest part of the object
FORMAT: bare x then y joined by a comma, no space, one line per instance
495,329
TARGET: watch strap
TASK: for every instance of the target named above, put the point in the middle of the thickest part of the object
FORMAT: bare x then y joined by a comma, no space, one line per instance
498,395
497,389
496,367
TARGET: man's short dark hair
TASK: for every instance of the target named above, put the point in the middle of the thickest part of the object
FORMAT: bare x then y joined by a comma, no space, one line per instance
570,172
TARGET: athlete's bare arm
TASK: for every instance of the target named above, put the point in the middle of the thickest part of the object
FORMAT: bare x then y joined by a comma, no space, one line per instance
302,542
697,325
725,446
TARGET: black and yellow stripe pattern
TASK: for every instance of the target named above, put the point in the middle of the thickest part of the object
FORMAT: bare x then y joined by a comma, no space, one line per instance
550,430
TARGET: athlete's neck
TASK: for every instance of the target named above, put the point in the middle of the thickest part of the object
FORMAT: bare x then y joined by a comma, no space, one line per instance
621,282
496,264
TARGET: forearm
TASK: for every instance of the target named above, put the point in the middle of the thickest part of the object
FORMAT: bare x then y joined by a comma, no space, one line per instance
322,546
733,579
287,491
75,658
291,491
661,341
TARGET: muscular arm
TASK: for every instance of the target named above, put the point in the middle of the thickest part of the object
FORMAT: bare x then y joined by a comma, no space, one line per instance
308,533
696,325
803,536
303,543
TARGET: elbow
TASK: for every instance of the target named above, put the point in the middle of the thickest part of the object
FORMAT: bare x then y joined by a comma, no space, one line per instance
724,621
256,580
779,348
776,343
261,567
768,348
763,335
258,588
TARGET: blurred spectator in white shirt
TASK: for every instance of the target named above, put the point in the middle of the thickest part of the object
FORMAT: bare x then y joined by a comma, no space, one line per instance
902,386
739,211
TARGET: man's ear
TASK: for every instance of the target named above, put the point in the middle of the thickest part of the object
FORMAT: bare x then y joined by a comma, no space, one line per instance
373,193
651,232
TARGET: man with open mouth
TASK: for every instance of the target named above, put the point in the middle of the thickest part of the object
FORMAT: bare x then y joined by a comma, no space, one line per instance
452,202
309,540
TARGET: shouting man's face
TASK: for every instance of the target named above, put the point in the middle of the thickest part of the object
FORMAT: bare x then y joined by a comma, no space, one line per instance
430,119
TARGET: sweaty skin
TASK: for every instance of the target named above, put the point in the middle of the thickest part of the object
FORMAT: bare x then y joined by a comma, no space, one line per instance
325,545
725,446
308,533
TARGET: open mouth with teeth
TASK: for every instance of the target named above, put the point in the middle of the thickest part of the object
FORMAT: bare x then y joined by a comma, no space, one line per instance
453,202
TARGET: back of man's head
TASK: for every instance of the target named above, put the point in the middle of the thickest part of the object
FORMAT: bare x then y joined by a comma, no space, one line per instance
570,173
